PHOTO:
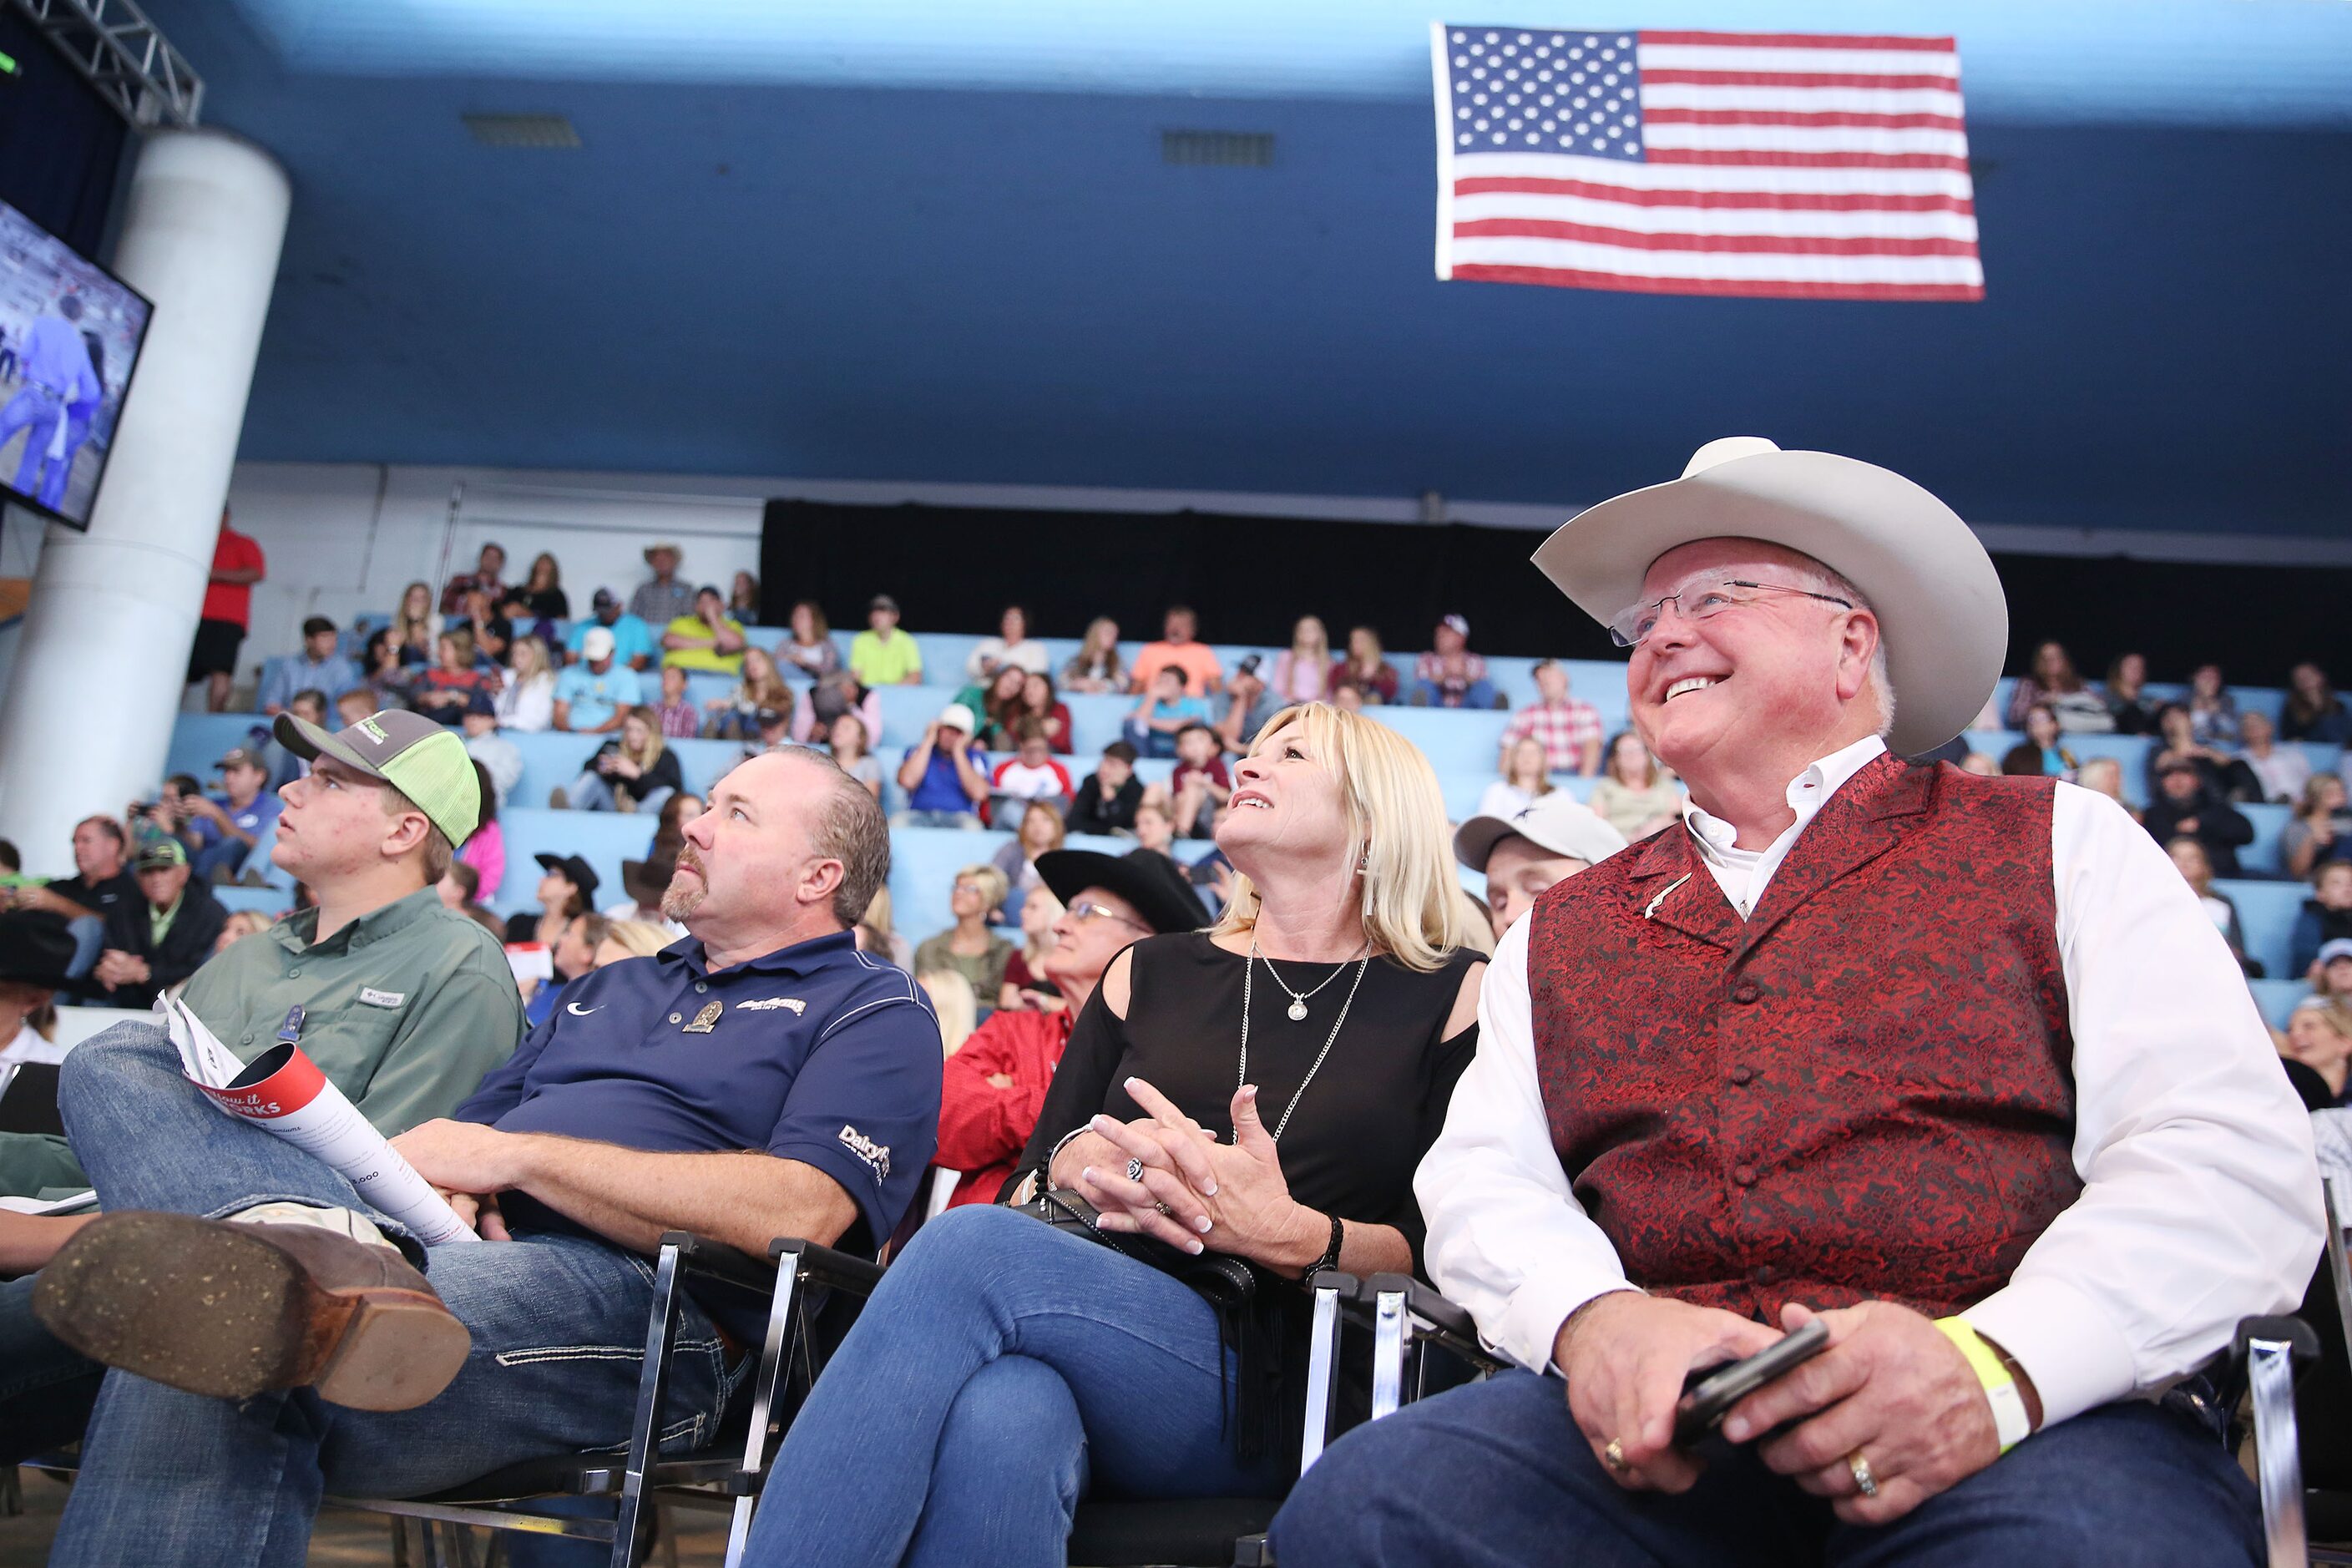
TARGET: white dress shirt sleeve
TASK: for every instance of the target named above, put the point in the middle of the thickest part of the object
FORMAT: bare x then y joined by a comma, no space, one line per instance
2200,1197
1507,1240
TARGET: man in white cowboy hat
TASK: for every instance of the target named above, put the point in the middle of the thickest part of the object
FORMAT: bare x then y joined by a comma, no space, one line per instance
1524,855
1956,1065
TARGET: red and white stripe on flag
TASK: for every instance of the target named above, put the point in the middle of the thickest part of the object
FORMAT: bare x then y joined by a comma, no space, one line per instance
1801,166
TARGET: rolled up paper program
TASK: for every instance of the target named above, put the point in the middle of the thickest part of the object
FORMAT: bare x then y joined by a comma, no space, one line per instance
283,1090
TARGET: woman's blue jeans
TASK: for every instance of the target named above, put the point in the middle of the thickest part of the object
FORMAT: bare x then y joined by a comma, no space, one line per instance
1002,1371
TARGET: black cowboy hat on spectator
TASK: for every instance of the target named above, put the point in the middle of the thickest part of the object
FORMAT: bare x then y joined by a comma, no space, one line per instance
574,868
36,948
646,880
1150,880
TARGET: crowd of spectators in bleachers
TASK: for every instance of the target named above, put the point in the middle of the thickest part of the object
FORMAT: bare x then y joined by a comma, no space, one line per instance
674,662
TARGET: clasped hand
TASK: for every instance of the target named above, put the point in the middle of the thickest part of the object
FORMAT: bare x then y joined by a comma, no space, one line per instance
469,1165
1889,1386
1232,1195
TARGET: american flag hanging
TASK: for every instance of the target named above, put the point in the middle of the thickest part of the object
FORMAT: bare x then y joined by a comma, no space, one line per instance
1805,166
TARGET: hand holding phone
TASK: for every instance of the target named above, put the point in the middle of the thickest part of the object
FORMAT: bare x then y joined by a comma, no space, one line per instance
1709,1393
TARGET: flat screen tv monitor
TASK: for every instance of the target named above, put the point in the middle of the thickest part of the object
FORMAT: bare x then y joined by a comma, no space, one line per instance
69,336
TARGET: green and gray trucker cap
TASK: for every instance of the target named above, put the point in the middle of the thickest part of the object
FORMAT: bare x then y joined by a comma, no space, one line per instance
420,758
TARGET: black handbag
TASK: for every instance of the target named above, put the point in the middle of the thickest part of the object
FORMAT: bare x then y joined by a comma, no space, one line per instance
1225,1282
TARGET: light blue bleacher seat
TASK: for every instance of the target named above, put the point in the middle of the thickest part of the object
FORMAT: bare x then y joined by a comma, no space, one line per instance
2277,998
2262,857
261,900
2266,916
602,838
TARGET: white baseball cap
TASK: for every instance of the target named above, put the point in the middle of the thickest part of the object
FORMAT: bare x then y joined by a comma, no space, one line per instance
1559,822
597,644
956,716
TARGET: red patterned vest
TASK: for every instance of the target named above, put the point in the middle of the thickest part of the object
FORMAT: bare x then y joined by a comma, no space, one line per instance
1863,1092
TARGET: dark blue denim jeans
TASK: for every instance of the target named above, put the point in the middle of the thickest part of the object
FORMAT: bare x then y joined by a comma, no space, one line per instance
1497,1474
557,1324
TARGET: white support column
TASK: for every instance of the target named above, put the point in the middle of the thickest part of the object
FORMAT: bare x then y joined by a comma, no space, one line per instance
99,672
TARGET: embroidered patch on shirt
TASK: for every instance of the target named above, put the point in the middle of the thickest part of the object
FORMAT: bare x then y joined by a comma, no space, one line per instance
375,998
704,1021
766,1003
875,1155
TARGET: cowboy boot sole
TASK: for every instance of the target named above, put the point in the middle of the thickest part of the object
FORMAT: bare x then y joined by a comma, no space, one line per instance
196,1306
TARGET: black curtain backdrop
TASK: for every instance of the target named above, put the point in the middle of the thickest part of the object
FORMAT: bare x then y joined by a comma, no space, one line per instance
61,143
955,568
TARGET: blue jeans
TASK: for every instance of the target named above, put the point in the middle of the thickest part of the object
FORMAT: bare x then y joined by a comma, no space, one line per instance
1496,1474
35,410
592,791
1148,741
1002,1370
969,821
45,1389
558,1324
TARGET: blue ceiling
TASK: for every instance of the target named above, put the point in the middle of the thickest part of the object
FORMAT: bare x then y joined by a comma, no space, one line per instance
794,243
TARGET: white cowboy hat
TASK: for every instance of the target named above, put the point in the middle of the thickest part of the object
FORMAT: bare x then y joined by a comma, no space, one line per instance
1558,822
1941,613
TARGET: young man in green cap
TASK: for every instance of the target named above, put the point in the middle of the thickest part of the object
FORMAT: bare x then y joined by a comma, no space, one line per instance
402,1003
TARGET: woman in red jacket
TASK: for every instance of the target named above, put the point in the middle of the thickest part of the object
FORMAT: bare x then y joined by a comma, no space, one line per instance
995,1084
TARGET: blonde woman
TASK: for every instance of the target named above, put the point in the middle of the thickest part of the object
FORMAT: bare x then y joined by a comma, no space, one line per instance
632,771
1095,667
1526,780
417,624
875,933
1303,672
953,1004
738,717
527,700
973,1385
972,947
1635,796
631,939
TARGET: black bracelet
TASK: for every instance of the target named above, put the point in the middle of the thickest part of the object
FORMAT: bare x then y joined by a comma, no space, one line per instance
1330,1258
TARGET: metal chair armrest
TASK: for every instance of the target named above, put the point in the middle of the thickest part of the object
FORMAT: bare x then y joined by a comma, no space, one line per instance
2267,1350
704,1258
824,1266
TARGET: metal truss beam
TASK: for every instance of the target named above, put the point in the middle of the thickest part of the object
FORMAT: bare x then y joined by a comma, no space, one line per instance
124,56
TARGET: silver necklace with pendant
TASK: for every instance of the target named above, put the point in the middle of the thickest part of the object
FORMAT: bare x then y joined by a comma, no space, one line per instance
1363,960
1299,999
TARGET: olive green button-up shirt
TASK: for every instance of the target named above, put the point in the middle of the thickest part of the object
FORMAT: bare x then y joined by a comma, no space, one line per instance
404,1009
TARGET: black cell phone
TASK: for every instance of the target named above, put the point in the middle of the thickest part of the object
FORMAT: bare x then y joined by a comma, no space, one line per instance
1710,1391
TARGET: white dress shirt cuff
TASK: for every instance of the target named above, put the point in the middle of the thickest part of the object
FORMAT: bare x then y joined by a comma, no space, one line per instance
1530,1324
2076,1357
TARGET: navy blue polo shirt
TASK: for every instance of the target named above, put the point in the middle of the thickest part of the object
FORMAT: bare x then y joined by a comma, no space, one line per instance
816,1052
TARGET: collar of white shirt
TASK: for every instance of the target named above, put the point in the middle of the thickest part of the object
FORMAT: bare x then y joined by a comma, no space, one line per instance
1743,874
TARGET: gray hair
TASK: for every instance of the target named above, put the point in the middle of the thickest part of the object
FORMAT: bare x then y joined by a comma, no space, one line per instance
849,827
1822,580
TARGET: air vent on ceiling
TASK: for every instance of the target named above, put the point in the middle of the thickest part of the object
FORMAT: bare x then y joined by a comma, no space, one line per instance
521,130
1218,149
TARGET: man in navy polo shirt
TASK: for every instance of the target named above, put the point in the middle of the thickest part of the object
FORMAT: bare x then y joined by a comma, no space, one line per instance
760,1078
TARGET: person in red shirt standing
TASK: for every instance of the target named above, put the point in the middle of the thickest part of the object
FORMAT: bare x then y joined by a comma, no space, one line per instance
995,1085
228,610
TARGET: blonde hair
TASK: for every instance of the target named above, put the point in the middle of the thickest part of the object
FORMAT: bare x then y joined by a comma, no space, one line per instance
953,1001
878,912
642,938
528,659
994,883
1478,925
1396,811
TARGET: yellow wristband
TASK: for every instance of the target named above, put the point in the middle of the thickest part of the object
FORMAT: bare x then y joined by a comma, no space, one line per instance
2010,1420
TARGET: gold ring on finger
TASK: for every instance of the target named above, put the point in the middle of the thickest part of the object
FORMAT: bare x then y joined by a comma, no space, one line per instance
1862,1480
1162,1208
1614,1455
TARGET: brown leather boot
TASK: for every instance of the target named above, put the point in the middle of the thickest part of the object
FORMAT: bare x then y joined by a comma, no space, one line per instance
232,1310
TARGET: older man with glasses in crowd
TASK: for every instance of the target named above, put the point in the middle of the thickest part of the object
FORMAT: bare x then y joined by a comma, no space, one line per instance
1956,1067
